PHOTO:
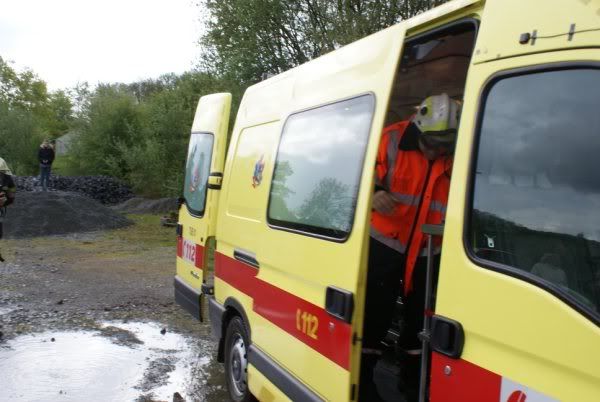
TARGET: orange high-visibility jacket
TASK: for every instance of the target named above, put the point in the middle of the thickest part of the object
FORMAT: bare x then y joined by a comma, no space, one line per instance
420,187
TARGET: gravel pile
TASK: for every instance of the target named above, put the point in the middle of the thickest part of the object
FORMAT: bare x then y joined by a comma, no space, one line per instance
55,213
105,189
139,205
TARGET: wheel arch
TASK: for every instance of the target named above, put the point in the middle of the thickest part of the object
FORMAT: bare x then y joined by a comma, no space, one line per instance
233,308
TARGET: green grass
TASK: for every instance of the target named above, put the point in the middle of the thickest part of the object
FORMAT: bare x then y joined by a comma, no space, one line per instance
147,230
62,167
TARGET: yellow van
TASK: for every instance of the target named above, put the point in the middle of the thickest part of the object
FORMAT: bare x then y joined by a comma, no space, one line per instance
515,312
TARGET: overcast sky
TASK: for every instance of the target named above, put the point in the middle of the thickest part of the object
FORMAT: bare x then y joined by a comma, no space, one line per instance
70,41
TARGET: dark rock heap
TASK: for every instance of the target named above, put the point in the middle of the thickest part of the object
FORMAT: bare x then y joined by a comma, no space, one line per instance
104,189
56,213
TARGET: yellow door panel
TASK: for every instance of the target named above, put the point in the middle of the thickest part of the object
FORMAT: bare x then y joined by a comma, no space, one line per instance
317,371
289,271
263,389
247,193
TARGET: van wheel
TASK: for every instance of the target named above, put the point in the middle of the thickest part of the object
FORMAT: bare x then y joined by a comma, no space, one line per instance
236,361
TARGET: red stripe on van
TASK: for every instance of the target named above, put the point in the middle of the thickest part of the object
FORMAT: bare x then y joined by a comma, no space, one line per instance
199,256
239,275
331,336
179,246
460,380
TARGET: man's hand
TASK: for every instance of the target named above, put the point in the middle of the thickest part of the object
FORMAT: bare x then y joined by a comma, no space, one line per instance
3,200
383,202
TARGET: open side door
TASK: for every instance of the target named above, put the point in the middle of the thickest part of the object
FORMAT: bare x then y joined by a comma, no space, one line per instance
519,255
198,206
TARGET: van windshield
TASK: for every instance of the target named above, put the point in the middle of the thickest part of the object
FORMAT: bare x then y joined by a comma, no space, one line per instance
537,190
196,172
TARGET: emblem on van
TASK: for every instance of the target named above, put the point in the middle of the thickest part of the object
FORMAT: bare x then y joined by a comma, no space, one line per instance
258,172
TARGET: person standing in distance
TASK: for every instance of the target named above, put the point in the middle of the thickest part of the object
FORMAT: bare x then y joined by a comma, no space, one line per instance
46,157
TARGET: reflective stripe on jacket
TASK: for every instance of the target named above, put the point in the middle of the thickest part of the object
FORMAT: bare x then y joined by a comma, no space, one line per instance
418,186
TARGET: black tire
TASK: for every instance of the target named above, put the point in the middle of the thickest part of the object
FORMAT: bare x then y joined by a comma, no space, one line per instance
236,361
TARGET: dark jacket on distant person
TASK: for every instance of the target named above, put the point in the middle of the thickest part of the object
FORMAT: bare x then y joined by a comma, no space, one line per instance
46,156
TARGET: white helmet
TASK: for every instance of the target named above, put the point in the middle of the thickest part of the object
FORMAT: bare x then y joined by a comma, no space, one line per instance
4,167
437,119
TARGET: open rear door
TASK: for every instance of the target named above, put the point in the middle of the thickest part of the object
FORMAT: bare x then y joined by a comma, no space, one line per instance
310,254
198,210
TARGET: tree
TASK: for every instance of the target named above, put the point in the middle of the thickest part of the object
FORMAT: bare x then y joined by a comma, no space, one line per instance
58,114
26,91
329,205
139,132
248,39
280,191
20,137
80,96
113,124
28,112
22,90
169,105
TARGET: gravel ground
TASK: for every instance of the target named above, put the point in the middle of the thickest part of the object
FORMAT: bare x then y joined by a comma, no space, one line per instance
78,281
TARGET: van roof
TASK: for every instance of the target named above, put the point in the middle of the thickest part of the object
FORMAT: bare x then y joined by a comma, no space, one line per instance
297,87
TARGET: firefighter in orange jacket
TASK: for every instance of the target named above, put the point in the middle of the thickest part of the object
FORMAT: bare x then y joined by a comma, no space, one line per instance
413,168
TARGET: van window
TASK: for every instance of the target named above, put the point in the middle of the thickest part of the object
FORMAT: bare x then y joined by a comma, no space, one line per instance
318,168
196,172
430,65
536,188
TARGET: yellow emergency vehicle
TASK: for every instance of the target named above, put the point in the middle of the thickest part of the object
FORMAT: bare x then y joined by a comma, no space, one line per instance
515,312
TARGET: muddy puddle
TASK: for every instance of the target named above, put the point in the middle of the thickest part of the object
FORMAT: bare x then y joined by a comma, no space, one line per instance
118,361
6,310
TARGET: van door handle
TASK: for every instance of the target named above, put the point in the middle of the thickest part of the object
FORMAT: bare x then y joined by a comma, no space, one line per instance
247,257
339,303
447,336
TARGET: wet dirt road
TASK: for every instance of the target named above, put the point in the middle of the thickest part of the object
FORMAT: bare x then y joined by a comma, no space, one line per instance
92,317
